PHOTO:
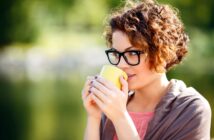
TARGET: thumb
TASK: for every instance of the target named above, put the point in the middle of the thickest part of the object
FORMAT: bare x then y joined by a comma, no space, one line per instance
124,85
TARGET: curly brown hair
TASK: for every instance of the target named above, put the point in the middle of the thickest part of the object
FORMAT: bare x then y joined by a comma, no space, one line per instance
155,28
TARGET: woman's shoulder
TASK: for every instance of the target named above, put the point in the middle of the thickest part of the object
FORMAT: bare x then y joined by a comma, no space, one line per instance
193,103
193,113
182,113
183,98
191,98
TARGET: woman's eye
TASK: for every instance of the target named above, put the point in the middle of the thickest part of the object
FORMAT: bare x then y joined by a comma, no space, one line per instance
132,53
115,54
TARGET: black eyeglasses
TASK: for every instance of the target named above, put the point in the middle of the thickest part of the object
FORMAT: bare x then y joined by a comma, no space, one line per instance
132,57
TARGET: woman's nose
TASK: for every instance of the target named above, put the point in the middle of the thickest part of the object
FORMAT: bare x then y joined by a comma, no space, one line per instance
122,64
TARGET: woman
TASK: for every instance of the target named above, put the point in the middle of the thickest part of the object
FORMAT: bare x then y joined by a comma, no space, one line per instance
146,39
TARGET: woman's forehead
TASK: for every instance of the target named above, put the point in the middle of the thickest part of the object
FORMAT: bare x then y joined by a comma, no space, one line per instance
121,42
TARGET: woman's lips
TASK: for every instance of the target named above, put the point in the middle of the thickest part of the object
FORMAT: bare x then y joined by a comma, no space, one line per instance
130,76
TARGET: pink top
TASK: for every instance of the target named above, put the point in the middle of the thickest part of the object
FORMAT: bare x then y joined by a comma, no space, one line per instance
141,121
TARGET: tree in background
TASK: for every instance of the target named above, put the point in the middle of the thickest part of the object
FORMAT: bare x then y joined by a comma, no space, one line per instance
15,22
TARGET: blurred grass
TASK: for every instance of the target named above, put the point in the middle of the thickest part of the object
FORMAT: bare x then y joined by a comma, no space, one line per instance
57,109
45,110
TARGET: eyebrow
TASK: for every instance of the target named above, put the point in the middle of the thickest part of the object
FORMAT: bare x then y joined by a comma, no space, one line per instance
129,48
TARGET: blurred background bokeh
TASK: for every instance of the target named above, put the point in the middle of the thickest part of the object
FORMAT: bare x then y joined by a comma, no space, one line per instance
48,47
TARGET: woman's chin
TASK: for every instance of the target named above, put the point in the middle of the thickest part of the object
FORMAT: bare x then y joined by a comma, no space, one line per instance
131,87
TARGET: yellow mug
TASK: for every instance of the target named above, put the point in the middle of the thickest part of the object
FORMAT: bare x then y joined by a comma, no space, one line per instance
112,74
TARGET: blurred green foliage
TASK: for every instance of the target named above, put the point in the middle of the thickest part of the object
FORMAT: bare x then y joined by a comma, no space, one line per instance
51,109
23,20
15,22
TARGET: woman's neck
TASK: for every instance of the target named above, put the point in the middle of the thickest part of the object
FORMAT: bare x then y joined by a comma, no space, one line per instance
150,95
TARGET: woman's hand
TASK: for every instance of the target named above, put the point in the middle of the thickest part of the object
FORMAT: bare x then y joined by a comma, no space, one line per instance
91,107
111,100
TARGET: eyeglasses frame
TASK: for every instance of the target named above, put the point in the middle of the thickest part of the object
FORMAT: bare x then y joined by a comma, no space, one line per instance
138,52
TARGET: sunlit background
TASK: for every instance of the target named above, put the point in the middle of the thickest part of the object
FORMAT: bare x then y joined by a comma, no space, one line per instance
48,47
